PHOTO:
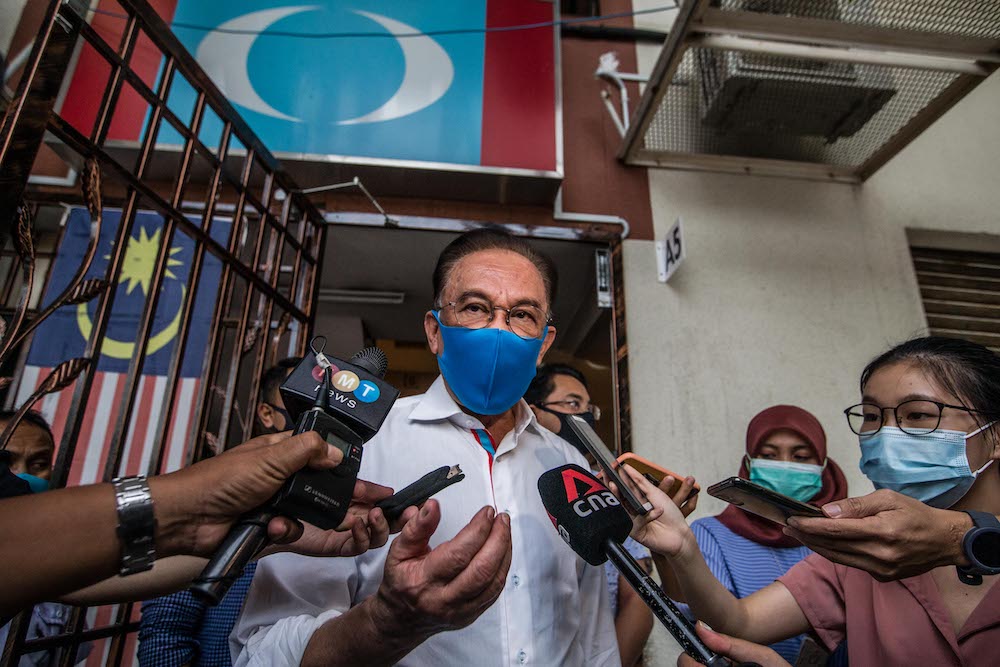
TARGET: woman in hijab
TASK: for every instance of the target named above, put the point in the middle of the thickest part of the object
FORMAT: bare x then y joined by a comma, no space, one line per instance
785,452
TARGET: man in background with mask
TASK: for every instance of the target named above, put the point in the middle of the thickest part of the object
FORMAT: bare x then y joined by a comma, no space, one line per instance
556,392
179,629
489,327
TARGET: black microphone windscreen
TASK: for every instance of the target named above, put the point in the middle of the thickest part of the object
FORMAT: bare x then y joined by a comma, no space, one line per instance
373,360
584,511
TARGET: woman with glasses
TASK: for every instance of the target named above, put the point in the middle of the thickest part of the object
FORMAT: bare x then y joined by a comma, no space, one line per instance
785,452
927,428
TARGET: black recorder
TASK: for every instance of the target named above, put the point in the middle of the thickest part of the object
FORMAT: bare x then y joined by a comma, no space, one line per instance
343,401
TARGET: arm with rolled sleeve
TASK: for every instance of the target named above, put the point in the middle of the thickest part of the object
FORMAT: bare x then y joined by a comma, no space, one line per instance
597,627
168,630
290,598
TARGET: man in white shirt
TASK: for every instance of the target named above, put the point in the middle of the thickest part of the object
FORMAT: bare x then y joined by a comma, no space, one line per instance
489,329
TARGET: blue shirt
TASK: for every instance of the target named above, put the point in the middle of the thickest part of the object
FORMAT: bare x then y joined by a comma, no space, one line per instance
744,566
180,629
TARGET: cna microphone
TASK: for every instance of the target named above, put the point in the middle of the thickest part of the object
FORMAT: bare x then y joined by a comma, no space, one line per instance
591,520
348,401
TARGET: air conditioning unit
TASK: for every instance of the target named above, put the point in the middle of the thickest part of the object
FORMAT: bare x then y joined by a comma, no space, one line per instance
760,94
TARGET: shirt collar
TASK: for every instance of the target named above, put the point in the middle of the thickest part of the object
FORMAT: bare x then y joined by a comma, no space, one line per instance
437,404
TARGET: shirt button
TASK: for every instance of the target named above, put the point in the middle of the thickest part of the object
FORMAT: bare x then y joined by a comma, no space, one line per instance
522,657
516,580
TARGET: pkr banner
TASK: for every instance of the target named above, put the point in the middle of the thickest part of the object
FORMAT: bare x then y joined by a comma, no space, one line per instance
444,81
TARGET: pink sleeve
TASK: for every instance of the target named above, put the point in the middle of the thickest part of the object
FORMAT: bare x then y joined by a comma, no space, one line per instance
818,588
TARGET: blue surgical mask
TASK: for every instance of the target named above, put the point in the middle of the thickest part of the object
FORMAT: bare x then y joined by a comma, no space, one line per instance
931,467
488,370
801,481
37,484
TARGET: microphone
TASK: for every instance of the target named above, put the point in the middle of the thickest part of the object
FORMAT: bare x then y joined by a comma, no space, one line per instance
346,407
592,521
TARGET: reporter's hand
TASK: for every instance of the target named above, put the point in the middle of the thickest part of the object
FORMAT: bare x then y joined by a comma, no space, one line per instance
885,533
683,498
196,506
737,650
426,591
365,527
662,529
888,534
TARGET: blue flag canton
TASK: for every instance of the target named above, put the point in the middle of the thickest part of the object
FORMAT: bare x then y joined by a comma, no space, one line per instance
65,333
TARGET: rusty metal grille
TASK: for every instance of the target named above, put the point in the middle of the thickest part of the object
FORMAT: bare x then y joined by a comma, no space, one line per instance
961,18
961,293
725,103
223,193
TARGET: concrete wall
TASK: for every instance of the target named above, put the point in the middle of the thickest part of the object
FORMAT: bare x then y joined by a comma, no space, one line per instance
789,288
10,16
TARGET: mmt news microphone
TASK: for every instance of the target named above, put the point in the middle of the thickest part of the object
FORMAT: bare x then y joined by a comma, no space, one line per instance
591,520
346,403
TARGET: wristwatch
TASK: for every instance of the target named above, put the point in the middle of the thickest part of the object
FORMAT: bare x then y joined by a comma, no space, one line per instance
136,524
981,546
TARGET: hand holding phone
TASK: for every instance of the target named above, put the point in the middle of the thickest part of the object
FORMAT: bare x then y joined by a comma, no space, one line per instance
630,496
418,492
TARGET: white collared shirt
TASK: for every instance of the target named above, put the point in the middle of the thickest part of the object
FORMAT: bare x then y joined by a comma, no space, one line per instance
554,609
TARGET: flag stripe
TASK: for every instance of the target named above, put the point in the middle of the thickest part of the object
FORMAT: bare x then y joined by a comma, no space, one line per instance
175,455
155,405
129,450
100,413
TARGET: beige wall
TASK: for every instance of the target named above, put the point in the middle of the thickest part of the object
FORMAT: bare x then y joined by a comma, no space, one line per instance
10,16
789,287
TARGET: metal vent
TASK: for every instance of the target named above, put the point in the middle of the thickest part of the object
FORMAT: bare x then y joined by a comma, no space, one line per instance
825,89
961,293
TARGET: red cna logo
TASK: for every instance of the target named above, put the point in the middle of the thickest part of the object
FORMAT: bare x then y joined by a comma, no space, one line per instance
572,479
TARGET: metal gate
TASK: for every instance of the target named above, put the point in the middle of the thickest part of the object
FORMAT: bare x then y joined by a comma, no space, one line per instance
253,246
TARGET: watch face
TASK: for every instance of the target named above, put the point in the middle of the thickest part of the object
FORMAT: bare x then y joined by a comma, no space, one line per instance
985,548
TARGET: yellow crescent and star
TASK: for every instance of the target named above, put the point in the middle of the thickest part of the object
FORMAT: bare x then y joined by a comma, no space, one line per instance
137,270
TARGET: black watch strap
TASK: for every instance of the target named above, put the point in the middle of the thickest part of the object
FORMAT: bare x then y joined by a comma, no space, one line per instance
981,546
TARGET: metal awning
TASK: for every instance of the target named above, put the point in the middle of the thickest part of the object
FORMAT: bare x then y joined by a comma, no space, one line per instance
818,89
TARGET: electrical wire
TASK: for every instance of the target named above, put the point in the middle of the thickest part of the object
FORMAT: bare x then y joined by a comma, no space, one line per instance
452,31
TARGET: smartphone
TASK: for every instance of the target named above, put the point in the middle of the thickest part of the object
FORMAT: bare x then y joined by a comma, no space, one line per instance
655,473
630,495
760,501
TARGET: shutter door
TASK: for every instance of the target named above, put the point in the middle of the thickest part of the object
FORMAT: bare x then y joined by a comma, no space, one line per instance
961,293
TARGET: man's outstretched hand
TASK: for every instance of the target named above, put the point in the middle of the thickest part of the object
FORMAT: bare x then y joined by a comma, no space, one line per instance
428,591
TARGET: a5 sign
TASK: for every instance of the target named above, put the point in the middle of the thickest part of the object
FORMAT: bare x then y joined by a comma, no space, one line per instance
670,252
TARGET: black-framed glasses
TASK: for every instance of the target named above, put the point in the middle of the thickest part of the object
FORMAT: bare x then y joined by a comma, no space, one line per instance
916,417
577,407
475,312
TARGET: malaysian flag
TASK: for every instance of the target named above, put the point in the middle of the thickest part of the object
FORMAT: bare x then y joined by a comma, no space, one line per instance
64,335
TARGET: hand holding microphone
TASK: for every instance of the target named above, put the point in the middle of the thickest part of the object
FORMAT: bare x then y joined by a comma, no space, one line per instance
345,409
592,521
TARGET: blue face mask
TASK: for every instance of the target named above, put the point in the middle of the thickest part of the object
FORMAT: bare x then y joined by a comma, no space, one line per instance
37,484
488,370
932,468
801,481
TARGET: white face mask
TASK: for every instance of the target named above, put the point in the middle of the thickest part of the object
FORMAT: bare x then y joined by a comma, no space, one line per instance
932,468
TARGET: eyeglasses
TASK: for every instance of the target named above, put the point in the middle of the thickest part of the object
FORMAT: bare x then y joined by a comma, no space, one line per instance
577,407
918,417
473,312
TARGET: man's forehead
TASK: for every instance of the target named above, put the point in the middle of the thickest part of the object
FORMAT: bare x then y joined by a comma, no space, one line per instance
28,435
499,274
569,386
